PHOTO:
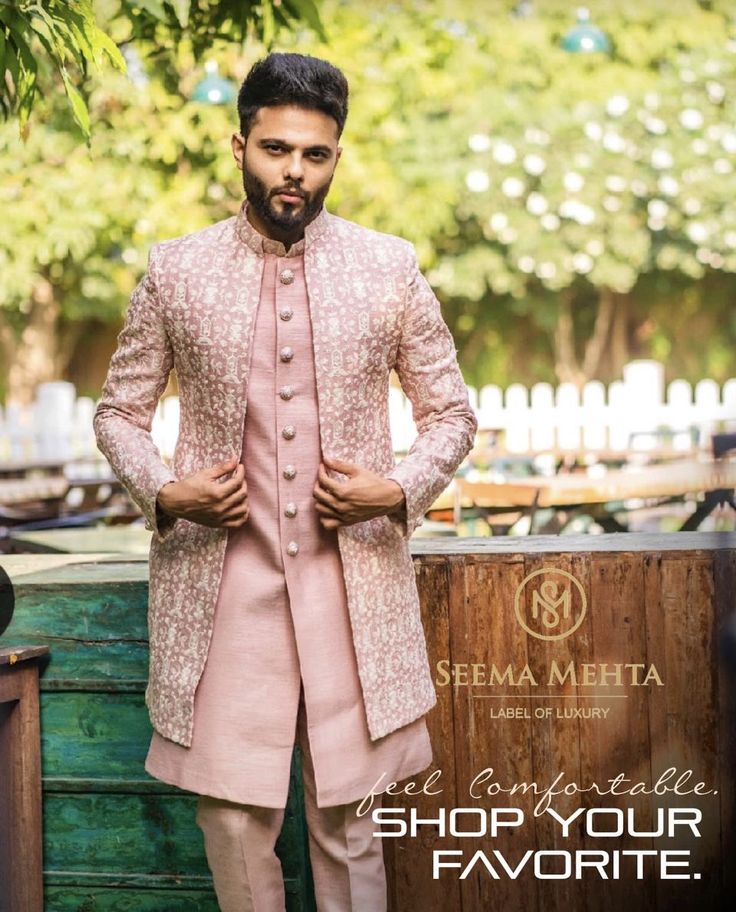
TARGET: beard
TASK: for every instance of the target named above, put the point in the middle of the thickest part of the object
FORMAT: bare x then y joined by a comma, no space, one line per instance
291,219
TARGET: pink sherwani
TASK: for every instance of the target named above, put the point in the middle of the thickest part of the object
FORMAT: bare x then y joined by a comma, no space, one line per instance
372,311
281,615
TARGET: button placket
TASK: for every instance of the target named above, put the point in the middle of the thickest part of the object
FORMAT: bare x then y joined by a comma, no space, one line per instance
286,392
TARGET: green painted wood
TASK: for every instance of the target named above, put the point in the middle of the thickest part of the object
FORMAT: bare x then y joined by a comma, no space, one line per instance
114,899
94,735
96,631
115,838
94,613
122,834
133,835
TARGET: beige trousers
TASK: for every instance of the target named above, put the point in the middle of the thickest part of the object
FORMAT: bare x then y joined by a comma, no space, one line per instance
347,861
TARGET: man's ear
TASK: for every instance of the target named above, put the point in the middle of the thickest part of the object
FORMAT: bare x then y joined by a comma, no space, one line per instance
338,154
237,143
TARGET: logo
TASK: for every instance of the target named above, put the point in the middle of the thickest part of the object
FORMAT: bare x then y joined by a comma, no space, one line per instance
550,604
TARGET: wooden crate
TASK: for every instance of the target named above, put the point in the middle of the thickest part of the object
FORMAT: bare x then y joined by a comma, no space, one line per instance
114,838
661,599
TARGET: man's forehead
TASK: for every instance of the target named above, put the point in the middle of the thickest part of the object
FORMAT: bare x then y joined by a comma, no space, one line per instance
295,124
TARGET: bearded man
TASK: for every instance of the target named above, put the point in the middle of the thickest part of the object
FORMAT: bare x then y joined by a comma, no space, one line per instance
283,605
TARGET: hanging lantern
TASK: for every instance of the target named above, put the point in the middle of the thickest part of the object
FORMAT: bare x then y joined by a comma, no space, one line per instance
586,38
213,89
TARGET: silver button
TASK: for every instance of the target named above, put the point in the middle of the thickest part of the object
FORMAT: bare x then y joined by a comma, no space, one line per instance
289,432
292,548
286,353
286,392
286,313
289,472
290,509
287,276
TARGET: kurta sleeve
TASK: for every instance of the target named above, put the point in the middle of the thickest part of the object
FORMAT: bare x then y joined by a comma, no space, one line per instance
138,373
427,368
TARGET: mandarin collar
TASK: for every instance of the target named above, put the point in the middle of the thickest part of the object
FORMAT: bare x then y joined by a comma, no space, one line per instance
263,245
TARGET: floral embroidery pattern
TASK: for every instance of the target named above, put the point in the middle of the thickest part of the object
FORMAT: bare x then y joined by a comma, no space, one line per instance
372,311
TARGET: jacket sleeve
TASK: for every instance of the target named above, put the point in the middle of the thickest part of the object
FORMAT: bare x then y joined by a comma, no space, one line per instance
427,368
137,376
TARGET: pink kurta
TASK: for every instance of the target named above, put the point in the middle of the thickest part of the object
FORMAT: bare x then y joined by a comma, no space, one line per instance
281,616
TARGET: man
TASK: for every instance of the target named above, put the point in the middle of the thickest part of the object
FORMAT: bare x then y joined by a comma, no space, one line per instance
282,600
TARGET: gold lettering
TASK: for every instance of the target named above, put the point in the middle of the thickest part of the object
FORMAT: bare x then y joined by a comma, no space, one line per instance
615,673
442,667
555,672
506,678
653,673
526,677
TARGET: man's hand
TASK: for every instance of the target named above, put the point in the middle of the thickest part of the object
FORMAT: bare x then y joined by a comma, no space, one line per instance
207,499
362,496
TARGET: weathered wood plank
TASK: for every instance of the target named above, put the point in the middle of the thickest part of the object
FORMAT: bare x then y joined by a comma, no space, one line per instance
408,860
21,848
94,736
484,633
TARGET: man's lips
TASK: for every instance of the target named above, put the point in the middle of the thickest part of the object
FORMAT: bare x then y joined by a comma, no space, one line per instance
290,197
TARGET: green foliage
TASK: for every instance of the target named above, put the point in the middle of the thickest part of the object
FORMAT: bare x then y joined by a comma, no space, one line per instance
68,34
634,197
65,36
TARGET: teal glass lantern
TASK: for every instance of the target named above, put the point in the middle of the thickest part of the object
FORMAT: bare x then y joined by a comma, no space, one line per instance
213,89
586,38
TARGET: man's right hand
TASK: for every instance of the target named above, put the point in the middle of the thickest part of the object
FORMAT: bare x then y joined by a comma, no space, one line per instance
207,499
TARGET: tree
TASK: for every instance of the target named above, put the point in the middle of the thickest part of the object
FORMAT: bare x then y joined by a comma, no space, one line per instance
449,116
65,35
566,206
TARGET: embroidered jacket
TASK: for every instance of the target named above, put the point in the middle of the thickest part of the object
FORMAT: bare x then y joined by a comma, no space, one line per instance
372,310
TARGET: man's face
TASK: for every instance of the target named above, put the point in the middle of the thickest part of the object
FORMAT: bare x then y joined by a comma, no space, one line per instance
287,161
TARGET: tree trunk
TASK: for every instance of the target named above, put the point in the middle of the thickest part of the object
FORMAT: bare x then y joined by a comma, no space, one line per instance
620,348
34,358
567,367
595,347
606,345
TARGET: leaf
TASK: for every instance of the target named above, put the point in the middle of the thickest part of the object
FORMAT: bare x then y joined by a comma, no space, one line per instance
306,10
181,9
269,25
106,44
55,36
79,27
18,38
79,106
154,7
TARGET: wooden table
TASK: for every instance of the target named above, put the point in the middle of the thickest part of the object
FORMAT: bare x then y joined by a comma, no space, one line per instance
21,850
575,491
132,539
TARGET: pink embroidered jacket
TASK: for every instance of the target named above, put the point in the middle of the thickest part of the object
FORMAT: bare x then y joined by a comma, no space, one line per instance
371,310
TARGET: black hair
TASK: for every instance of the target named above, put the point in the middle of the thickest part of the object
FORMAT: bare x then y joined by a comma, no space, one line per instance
293,79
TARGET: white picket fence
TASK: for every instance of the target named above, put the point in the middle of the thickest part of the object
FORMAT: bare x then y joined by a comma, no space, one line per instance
634,413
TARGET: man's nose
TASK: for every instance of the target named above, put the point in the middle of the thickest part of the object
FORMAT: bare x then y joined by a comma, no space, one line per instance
294,168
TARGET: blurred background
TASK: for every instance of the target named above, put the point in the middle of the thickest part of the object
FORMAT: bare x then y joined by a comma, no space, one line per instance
566,174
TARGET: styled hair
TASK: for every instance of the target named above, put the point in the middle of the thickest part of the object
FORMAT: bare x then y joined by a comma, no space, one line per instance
293,79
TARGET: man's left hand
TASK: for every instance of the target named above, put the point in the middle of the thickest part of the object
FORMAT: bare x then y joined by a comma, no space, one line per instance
361,496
